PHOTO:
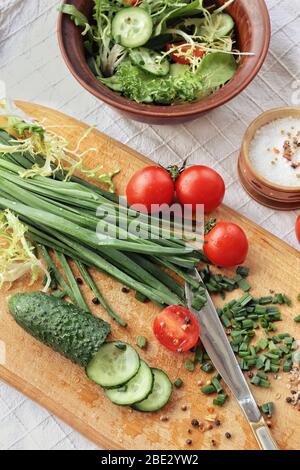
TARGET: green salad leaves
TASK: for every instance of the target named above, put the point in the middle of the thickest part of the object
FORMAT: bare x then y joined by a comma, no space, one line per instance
181,85
134,48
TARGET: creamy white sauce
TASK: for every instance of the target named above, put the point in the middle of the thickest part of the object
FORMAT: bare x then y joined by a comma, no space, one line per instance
267,152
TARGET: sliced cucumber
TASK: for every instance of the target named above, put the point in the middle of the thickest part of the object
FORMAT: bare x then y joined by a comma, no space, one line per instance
113,365
113,83
160,395
150,61
132,27
220,25
136,390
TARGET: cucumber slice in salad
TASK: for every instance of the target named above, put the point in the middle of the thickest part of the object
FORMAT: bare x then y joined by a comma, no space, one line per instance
136,390
113,365
220,25
150,61
160,395
132,27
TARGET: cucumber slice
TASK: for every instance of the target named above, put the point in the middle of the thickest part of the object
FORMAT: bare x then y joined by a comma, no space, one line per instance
132,27
160,395
136,390
150,61
113,365
219,26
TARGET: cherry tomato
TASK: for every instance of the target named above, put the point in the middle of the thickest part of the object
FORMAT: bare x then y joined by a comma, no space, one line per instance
176,328
196,51
150,185
200,185
132,3
226,245
298,228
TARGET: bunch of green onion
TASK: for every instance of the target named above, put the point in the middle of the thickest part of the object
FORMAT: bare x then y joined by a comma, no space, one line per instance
61,215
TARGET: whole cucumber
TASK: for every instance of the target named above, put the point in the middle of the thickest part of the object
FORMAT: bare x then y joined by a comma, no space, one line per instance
68,330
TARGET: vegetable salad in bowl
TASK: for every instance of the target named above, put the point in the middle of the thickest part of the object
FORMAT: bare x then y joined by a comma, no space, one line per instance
159,51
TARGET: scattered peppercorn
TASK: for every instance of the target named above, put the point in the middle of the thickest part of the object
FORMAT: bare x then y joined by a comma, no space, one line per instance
195,423
289,400
213,443
228,435
218,422
189,442
79,281
164,418
190,431
125,290
96,301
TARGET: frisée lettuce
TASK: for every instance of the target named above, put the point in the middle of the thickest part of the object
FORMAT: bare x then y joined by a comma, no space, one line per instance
179,86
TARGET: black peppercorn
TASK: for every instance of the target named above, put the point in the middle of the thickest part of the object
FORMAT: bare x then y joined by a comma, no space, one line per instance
189,442
195,423
228,435
96,301
79,281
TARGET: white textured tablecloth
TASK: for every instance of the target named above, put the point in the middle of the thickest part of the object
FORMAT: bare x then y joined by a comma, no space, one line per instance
32,67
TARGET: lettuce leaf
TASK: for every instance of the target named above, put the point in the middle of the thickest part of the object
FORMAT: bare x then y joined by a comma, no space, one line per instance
17,256
217,69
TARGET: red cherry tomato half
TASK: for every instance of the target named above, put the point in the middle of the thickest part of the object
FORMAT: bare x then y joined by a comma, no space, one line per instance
196,51
176,328
200,185
150,185
298,228
226,245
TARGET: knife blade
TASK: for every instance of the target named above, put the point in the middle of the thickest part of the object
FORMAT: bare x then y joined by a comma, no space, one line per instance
218,348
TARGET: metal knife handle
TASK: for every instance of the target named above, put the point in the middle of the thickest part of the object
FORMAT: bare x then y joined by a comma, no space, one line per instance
263,435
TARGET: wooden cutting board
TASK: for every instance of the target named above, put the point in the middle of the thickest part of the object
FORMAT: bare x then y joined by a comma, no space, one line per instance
63,388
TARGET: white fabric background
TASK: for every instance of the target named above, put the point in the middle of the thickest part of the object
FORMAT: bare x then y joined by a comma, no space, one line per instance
32,67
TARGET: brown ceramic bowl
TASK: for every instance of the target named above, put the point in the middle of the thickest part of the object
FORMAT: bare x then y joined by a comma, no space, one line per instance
263,191
253,34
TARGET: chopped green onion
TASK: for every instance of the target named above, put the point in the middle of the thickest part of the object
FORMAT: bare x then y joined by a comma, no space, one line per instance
208,390
142,342
268,409
220,400
178,383
189,365
207,367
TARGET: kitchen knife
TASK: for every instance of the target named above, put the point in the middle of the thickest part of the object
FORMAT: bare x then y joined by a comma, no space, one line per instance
218,348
